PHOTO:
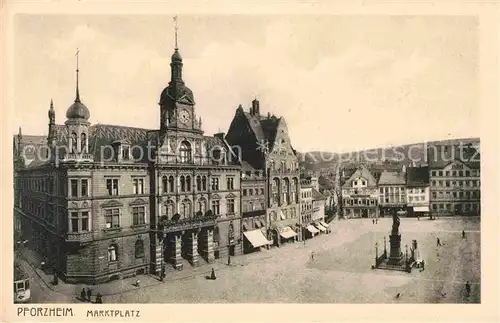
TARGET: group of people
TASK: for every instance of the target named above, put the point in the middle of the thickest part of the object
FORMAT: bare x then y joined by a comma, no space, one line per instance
375,221
87,296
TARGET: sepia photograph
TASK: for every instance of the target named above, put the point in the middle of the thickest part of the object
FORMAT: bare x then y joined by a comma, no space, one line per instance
246,159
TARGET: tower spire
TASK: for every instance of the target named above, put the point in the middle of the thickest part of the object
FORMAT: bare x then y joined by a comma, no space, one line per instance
176,29
77,99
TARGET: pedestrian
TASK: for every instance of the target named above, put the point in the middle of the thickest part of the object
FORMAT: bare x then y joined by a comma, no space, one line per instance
438,242
312,255
89,294
467,289
418,217
98,298
83,295
212,276
463,234
137,283
373,221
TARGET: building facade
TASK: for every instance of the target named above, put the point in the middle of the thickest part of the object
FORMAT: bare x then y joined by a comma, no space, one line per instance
417,191
455,184
360,195
253,201
263,142
392,189
112,201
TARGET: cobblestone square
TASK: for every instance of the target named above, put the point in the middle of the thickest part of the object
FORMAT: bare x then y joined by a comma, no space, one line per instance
339,273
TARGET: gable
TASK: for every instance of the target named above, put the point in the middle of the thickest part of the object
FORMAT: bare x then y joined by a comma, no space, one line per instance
456,165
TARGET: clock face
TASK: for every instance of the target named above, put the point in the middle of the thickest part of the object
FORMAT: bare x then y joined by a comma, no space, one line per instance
183,116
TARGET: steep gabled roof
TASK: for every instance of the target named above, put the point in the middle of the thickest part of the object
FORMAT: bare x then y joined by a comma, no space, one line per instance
441,156
392,178
362,172
417,176
317,196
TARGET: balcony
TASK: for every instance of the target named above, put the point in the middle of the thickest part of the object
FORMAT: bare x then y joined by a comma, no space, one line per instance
79,157
78,236
198,161
187,224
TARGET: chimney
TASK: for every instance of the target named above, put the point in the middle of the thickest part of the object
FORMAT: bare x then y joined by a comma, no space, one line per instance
255,107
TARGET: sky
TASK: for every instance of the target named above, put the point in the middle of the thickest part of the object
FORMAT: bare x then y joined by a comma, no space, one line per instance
342,83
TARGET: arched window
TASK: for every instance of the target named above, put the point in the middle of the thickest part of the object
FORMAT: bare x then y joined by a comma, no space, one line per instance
112,253
183,184
74,142
204,183
170,208
245,207
164,181
139,249
83,143
186,209
185,152
198,183
276,191
295,190
202,205
188,183
171,183
286,191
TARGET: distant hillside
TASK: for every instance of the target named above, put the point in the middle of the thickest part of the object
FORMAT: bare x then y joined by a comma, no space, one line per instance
402,154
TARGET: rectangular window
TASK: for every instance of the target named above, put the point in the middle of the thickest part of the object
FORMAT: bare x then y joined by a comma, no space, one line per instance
440,173
112,253
85,221
448,174
244,192
138,186
125,152
215,184
74,188
460,173
112,186
467,173
433,173
230,183
230,206
112,218
85,187
74,221
447,183
216,207
139,215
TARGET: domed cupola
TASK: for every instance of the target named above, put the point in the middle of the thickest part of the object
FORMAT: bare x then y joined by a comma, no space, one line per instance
78,110
77,126
176,56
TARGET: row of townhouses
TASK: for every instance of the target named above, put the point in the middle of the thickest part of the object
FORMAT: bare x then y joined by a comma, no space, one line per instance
448,185
100,202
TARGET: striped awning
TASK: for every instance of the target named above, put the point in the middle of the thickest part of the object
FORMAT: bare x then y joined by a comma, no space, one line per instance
256,238
324,224
288,233
320,227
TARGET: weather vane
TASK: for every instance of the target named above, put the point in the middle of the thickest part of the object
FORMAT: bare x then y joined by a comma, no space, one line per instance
176,28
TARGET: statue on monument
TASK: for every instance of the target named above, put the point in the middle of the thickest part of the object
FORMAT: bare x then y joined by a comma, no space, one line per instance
395,223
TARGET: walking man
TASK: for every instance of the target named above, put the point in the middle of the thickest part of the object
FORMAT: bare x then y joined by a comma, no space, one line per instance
83,295
463,234
438,242
98,298
467,289
312,255
89,294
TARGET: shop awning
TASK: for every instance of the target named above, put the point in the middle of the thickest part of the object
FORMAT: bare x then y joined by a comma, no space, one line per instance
287,233
282,215
256,238
320,227
421,209
324,224
312,229
257,224
245,227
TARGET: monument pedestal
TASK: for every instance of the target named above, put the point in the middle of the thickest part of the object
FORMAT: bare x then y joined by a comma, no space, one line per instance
395,255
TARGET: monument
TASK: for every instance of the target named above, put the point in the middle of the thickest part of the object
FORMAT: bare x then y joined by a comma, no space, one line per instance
395,254
395,260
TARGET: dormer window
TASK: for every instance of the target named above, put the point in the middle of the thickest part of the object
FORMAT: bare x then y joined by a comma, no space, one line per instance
125,152
121,150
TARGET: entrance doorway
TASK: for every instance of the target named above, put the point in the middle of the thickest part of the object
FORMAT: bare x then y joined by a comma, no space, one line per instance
364,213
